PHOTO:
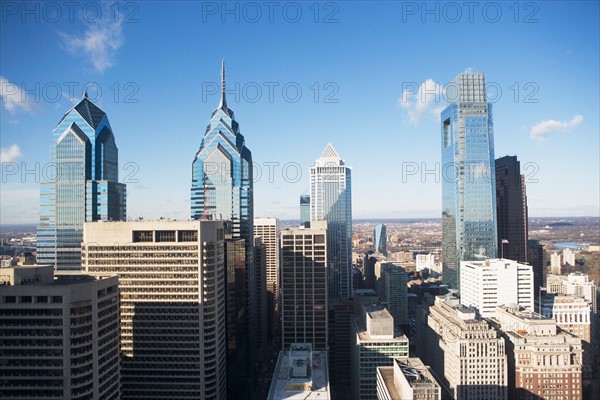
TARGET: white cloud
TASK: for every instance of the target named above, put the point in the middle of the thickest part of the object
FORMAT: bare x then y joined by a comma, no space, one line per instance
13,98
10,154
99,43
429,97
542,129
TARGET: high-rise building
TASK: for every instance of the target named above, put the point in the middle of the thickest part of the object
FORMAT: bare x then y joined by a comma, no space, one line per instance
468,180
377,342
331,201
84,186
380,239
304,286
495,282
262,332
300,373
305,210
393,292
222,189
535,258
543,361
465,352
173,319
339,345
556,263
569,257
511,206
268,230
408,379
60,335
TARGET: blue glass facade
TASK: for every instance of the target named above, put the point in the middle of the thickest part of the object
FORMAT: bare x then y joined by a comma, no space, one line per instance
222,189
468,177
380,239
331,201
84,185
305,210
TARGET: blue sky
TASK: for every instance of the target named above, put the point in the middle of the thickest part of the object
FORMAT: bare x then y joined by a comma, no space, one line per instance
300,75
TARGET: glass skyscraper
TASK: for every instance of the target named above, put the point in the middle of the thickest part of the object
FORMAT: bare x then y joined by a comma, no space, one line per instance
380,239
331,201
222,189
468,176
83,187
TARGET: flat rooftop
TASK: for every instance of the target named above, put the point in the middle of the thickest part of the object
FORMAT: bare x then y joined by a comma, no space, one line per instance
286,386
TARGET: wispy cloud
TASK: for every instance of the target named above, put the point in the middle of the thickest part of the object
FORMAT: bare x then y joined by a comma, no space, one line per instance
10,154
428,98
99,43
542,129
13,98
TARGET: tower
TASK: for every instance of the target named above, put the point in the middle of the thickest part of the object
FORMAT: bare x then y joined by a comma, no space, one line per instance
468,183
84,186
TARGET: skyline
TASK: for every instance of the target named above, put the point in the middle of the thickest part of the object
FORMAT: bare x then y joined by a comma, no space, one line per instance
550,137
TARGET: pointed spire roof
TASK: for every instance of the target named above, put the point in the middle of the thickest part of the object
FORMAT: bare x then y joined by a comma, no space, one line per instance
330,152
90,112
223,101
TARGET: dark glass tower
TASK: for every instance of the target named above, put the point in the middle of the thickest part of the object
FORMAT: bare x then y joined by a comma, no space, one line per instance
468,180
511,206
83,188
380,239
222,189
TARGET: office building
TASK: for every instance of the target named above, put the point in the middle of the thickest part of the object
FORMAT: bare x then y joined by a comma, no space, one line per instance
465,353
340,343
511,206
556,263
300,373
494,282
262,331
305,210
407,379
304,286
60,335
425,261
393,292
268,230
468,180
376,342
535,258
222,189
380,239
331,201
569,257
172,283
84,186
544,361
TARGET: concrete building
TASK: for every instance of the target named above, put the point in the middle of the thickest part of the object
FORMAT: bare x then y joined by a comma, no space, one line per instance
574,284
569,257
300,374
268,230
407,379
490,283
466,353
543,361
556,263
173,319
304,286
60,335
376,342
393,292
424,261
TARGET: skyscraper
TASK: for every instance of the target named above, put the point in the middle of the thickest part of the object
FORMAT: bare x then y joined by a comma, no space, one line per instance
305,210
331,201
268,230
172,284
304,286
511,206
380,239
84,185
535,258
222,188
468,180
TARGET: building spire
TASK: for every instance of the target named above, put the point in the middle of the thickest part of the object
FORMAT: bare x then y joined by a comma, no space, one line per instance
85,94
223,101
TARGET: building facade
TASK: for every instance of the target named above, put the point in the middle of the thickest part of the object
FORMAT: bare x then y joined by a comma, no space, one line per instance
511,206
60,335
305,210
466,353
304,286
380,239
535,258
173,319
544,362
494,282
84,186
394,293
331,201
268,230
376,343
469,230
